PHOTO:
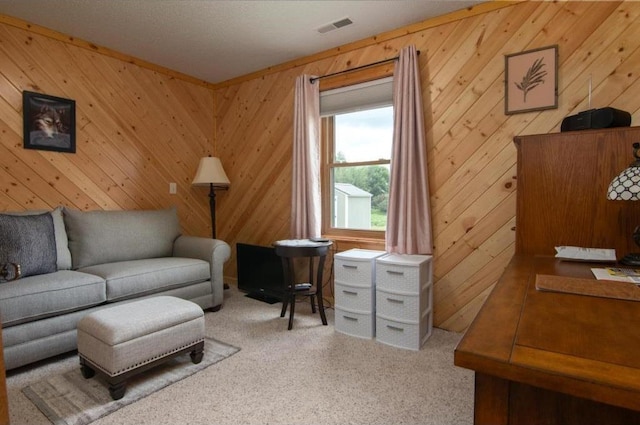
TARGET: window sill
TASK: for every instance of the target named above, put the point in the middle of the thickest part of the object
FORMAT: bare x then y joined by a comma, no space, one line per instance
343,243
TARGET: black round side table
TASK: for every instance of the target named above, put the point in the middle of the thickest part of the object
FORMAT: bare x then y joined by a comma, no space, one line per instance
316,252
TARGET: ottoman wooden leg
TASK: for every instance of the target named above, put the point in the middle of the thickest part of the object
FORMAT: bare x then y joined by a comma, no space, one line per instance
86,371
197,353
117,388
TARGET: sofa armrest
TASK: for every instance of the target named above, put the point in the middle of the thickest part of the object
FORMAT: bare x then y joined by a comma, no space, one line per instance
214,251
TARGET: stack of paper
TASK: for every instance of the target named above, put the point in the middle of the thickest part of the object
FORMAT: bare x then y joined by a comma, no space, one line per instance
620,274
576,253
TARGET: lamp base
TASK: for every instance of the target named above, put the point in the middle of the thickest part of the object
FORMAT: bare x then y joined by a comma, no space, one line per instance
631,259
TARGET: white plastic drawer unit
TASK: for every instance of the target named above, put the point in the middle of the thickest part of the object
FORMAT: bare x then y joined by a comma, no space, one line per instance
355,292
403,273
404,300
356,266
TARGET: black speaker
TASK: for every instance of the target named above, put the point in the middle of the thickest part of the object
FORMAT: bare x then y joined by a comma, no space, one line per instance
596,118
610,117
580,121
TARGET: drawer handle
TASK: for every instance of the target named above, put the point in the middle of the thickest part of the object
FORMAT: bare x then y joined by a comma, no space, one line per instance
395,328
395,272
349,266
353,319
349,292
393,300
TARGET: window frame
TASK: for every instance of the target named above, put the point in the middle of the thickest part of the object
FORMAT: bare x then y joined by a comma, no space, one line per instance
327,131
327,126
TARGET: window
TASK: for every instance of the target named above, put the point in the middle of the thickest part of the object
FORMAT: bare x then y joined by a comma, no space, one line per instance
357,135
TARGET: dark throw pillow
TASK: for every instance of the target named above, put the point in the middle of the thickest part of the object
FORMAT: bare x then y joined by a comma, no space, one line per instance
29,241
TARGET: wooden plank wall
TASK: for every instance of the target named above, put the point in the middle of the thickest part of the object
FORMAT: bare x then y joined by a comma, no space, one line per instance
141,127
472,159
137,130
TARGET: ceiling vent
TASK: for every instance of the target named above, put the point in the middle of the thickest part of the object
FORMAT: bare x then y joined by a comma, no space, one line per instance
335,25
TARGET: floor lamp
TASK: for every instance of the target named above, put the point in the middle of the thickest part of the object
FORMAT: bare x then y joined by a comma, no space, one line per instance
211,173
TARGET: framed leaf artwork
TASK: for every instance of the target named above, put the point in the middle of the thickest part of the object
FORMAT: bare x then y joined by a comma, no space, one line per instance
531,80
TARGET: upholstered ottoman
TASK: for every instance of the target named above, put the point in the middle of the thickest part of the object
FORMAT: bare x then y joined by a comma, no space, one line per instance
126,339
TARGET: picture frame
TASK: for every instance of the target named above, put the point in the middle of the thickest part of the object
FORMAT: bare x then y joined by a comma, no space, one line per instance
49,122
531,80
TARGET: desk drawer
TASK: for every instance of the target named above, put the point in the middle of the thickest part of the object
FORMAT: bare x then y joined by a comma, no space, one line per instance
355,298
354,272
397,306
403,273
402,334
356,266
357,324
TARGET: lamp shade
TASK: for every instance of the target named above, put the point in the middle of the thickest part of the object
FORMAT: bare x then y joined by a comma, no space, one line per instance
626,185
210,172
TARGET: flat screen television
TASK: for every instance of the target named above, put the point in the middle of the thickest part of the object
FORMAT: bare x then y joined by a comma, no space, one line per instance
260,272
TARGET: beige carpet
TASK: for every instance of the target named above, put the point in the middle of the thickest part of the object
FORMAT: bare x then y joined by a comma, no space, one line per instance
309,375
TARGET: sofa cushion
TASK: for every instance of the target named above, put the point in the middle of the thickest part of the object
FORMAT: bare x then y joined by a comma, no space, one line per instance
127,279
41,296
99,237
28,240
62,243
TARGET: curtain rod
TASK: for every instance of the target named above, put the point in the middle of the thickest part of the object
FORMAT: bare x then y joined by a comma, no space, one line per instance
313,80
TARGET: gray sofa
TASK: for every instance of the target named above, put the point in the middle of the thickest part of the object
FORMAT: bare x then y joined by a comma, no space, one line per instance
75,262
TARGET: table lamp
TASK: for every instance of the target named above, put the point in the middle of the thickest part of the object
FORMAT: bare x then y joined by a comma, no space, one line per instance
210,172
626,187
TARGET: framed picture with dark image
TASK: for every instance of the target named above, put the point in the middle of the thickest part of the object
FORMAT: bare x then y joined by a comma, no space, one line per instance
531,80
49,122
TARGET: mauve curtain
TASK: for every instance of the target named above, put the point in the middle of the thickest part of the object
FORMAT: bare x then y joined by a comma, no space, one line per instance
305,188
408,216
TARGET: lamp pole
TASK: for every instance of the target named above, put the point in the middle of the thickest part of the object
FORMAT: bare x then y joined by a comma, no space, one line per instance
212,205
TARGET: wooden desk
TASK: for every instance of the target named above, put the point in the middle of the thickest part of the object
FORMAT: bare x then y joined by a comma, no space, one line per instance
548,357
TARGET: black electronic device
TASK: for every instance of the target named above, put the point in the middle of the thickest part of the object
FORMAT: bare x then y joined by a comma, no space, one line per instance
596,118
260,272
631,259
